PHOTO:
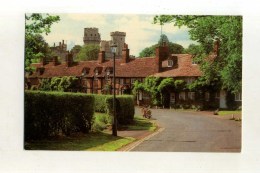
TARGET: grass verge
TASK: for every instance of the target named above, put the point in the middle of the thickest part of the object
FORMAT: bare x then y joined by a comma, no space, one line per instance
141,123
229,112
93,142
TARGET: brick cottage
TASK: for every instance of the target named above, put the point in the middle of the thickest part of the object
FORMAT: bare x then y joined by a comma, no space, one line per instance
95,75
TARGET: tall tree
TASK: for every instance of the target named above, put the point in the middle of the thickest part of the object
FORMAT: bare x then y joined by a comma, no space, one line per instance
88,52
227,67
35,25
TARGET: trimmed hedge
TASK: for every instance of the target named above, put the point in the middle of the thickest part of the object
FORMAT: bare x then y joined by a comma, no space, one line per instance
124,108
100,102
51,113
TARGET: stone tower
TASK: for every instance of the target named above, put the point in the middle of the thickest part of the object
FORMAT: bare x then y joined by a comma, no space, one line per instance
91,36
119,39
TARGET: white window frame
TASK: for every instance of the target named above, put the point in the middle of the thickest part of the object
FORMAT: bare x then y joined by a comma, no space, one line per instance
170,63
238,96
191,95
133,80
182,96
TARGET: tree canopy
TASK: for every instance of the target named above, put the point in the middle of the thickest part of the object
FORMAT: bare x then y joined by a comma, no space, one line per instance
227,67
88,52
150,51
35,46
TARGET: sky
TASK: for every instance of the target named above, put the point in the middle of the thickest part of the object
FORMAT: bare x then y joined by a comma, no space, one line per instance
140,32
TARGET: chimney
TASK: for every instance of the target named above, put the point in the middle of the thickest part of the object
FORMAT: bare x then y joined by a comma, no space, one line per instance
101,56
125,54
43,61
69,59
55,60
216,47
161,54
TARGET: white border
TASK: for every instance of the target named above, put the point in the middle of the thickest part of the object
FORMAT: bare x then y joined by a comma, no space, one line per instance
14,159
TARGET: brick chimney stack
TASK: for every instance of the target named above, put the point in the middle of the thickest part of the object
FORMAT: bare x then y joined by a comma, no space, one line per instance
101,56
55,60
69,59
43,61
161,54
125,54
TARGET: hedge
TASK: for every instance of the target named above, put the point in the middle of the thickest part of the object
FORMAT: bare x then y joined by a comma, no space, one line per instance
124,108
51,113
100,103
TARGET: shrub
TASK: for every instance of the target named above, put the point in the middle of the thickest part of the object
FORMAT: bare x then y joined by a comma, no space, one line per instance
49,113
124,108
101,122
100,103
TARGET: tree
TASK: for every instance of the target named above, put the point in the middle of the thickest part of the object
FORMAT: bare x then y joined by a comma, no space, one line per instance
76,49
227,66
150,51
163,39
35,46
88,52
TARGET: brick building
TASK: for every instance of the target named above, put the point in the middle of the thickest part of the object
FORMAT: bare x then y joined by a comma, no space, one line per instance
94,76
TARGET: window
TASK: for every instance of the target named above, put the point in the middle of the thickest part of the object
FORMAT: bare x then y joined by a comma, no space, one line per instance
191,95
238,96
170,63
193,61
182,96
121,81
140,95
133,80
189,80
207,96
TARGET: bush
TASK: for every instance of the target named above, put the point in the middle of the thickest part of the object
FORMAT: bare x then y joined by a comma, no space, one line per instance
101,122
125,109
51,113
100,103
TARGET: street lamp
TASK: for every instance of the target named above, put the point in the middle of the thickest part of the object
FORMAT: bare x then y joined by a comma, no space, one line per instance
114,126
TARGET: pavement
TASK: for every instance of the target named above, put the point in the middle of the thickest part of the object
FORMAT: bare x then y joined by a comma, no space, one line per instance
187,131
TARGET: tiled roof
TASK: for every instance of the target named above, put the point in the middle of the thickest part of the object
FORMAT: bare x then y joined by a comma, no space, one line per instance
185,67
138,67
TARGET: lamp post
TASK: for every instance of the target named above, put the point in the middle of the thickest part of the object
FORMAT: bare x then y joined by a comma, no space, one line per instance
114,126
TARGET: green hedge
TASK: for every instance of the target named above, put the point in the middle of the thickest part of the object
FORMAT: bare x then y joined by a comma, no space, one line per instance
100,102
51,113
124,108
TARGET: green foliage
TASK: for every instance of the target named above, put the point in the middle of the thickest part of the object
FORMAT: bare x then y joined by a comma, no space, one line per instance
88,52
76,49
166,84
227,67
125,109
35,45
101,122
100,102
163,38
179,85
49,113
150,51
58,83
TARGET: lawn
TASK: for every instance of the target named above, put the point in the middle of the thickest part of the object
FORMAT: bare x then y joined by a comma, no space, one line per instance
141,123
97,140
93,141
229,112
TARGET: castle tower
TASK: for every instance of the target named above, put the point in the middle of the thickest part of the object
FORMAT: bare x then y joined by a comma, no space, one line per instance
91,36
119,39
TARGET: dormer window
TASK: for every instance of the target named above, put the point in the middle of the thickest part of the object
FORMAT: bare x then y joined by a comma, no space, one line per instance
170,63
85,71
96,72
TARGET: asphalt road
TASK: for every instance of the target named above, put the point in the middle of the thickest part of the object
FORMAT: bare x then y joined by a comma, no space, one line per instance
192,132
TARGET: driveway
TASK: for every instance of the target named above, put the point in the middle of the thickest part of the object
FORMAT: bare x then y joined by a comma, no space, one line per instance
192,132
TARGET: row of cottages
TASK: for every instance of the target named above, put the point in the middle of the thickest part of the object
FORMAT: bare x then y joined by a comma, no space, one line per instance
94,76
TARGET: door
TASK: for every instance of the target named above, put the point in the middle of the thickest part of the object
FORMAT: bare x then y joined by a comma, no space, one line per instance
222,99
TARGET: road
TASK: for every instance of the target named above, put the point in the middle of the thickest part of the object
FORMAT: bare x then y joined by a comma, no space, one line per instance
192,132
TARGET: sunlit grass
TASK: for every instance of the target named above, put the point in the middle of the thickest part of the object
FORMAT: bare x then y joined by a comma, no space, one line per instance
93,141
229,112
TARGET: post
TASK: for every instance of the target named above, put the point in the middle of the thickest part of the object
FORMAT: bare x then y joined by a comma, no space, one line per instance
114,127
